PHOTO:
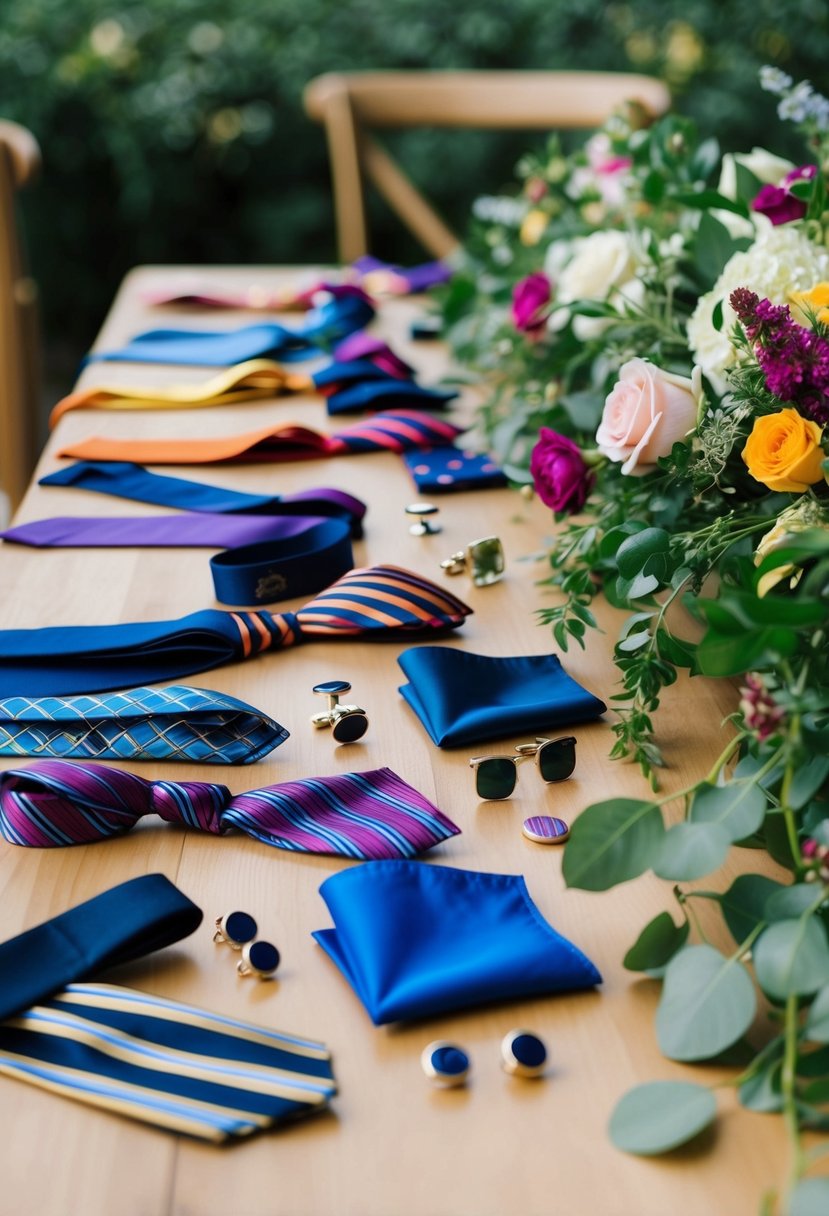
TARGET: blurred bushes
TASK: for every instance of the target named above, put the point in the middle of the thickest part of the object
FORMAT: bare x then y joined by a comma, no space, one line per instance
173,130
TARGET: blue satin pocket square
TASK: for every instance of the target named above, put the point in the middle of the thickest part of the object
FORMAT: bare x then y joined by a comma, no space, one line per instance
463,698
417,940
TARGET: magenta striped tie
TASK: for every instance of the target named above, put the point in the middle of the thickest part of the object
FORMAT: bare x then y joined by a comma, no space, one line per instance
366,816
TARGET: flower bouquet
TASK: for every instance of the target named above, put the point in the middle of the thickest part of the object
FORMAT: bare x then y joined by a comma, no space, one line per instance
657,353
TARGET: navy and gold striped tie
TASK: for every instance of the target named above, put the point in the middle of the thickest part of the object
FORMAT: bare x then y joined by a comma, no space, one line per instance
171,1065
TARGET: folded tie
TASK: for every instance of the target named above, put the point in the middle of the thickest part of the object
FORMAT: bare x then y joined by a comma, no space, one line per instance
349,386
417,940
362,345
173,723
171,1065
387,279
375,602
332,321
442,469
267,557
395,431
125,480
464,698
357,815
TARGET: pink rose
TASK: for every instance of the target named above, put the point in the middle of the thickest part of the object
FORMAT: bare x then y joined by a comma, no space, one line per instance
646,412
560,475
530,298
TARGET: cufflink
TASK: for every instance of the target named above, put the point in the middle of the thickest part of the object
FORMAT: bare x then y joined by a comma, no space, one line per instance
483,560
422,526
235,929
546,829
260,959
523,1054
348,722
445,1064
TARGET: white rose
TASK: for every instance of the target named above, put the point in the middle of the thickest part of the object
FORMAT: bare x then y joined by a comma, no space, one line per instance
765,166
601,261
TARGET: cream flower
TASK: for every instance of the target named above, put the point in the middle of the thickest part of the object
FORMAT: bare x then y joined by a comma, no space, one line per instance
764,165
804,514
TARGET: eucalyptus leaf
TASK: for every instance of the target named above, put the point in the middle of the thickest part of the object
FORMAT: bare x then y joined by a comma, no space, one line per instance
817,1019
708,1001
611,842
634,552
743,904
810,1198
738,807
761,1091
808,779
656,1117
790,902
656,944
791,958
777,839
691,850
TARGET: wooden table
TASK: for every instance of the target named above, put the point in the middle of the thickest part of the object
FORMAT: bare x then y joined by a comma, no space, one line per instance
392,1145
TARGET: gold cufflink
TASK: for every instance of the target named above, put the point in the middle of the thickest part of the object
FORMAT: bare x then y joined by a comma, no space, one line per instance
523,1054
235,929
422,526
483,560
348,722
260,959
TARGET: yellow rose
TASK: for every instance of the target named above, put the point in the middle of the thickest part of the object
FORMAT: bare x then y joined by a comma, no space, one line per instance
808,304
783,452
533,227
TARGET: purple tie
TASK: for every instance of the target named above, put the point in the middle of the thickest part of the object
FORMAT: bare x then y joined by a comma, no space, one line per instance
365,816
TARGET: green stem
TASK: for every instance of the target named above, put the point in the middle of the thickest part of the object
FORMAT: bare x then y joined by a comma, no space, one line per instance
789,817
789,1094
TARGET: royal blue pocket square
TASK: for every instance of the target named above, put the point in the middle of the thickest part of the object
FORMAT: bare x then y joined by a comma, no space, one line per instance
463,698
417,940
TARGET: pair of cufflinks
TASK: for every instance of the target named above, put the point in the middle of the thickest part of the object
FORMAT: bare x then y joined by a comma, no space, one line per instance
523,1054
483,560
238,930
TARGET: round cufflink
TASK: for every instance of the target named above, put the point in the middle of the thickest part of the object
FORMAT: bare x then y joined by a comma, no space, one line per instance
235,929
546,829
348,722
483,560
260,959
422,526
523,1054
445,1064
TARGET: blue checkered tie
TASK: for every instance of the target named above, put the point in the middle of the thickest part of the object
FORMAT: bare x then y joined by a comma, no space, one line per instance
174,723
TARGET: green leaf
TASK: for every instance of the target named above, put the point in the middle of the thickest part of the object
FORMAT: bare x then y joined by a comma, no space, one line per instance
634,641
656,944
675,650
808,779
777,839
761,1091
810,1198
790,902
817,1020
719,655
738,807
713,246
635,551
691,850
791,958
743,904
658,1116
612,842
708,1001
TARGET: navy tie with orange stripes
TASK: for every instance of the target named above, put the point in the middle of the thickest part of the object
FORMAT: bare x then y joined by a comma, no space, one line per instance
376,601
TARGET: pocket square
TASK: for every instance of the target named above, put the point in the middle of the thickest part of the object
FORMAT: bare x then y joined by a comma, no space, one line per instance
464,698
418,940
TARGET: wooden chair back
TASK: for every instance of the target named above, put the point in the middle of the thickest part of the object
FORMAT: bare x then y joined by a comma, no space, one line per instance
19,342
352,105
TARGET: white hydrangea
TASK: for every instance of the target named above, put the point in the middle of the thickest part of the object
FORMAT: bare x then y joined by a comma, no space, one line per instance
782,260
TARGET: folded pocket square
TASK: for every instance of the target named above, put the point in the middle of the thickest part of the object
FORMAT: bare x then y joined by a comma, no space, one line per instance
416,940
464,698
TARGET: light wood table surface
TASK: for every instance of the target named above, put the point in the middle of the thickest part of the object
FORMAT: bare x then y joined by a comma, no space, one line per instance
391,1145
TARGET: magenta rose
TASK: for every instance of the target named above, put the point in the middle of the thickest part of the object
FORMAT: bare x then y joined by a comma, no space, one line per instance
560,474
778,204
530,299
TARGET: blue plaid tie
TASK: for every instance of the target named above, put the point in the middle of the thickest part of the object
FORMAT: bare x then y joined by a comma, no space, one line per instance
174,723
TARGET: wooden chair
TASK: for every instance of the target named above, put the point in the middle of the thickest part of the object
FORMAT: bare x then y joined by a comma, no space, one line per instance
19,366
350,105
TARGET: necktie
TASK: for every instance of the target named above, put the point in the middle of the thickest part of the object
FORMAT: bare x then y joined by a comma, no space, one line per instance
200,294
395,431
125,480
173,723
168,1064
439,470
357,815
174,1066
386,278
332,321
266,558
349,386
374,602
362,345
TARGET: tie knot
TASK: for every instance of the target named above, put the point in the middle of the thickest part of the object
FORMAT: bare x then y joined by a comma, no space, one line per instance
197,804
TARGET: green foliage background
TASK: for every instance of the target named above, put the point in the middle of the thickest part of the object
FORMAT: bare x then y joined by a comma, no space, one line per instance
173,130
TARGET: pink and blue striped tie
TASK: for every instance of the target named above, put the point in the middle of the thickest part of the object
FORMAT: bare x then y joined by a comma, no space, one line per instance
364,816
